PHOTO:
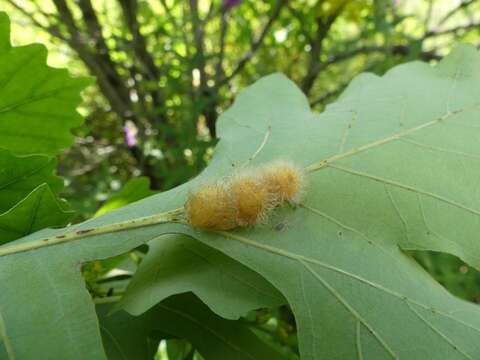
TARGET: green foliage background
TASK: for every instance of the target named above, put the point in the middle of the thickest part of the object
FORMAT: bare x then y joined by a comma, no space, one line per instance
321,45
171,85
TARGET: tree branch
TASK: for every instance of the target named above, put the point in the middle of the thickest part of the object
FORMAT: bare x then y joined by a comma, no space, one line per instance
102,52
130,10
51,29
301,20
329,94
219,72
109,81
94,27
463,5
332,93
209,100
199,58
323,27
168,12
115,92
402,50
467,27
256,44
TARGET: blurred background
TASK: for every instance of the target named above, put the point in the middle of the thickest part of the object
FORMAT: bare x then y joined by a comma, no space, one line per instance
166,69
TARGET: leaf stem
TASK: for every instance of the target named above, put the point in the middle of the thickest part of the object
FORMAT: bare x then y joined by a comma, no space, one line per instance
171,216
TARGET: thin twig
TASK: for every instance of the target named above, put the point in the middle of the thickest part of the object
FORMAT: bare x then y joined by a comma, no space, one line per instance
219,73
428,18
456,29
52,29
332,93
329,94
462,6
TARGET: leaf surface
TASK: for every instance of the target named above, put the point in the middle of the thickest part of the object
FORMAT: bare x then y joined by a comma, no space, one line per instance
40,209
186,317
4,32
37,103
125,336
20,175
394,163
176,264
40,315
37,111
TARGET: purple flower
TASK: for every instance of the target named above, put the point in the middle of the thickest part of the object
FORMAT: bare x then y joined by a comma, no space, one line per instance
228,4
131,133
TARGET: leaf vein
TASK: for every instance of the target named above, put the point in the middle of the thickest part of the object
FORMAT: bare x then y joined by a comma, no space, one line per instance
114,340
358,341
298,257
350,308
438,332
406,187
26,175
396,136
210,330
439,149
397,211
5,339
309,311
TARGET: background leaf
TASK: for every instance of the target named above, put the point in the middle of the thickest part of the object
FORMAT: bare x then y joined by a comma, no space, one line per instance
125,336
215,338
186,317
134,190
4,32
178,349
37,112
40,209
176,264
20,175
37,103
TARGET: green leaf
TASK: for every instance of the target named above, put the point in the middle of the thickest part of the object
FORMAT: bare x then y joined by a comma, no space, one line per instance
176,264
186,317
60,289
37,103
126,337
134,190
48,327
178,349
215,338
37,112
4,32
393,163
20,175
40,317
40,209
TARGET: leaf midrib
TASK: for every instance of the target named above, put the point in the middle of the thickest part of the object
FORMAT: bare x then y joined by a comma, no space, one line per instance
32,99
396,136
304,261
